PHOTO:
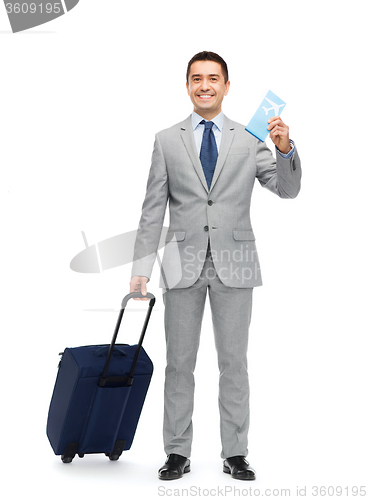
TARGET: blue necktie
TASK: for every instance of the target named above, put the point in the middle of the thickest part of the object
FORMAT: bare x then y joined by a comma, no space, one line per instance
208,154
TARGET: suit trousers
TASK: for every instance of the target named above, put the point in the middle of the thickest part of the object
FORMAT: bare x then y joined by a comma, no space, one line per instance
231,314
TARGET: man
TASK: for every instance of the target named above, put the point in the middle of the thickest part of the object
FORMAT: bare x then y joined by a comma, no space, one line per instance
205,167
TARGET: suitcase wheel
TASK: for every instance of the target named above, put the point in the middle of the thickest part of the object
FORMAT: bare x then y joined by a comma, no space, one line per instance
70,452
113,456
117,451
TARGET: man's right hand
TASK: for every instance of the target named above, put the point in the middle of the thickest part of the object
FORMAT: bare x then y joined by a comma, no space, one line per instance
139,284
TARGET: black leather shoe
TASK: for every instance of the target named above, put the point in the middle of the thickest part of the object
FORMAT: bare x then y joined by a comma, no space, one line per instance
239,468
174,467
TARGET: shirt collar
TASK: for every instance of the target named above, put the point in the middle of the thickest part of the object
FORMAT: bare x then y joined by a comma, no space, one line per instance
218,120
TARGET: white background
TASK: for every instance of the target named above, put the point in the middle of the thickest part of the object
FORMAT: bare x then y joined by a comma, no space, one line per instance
81,100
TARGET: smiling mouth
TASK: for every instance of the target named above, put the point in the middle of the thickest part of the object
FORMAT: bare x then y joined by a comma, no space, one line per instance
205,96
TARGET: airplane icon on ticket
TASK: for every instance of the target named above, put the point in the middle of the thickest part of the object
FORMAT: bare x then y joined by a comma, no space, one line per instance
274,106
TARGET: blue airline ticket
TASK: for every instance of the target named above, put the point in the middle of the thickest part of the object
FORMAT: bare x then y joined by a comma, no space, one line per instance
270,106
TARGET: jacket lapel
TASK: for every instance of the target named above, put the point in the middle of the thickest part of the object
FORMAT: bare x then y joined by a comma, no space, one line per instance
226,141
188,139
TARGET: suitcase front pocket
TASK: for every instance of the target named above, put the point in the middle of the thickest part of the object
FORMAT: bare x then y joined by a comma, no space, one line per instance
104,419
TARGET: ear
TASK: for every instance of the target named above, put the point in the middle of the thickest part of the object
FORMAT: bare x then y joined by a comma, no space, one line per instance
187,88
227,87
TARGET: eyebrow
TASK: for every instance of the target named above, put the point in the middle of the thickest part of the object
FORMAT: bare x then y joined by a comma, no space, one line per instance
212,74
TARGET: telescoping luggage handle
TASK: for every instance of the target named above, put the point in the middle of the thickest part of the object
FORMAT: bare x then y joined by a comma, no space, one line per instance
129,381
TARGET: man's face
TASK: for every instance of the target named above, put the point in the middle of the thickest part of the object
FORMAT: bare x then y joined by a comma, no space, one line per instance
207,88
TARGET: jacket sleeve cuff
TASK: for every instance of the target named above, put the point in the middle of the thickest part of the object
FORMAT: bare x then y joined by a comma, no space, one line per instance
289,154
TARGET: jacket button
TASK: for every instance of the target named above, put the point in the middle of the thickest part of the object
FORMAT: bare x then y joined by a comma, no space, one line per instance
210,202
205,228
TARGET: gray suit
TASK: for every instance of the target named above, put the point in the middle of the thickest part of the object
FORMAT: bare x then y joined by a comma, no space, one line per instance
212,246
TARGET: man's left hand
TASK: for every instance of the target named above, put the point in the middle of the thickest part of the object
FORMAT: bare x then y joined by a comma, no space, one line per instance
279,133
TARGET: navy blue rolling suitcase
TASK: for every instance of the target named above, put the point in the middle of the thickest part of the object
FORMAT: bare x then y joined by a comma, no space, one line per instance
99,394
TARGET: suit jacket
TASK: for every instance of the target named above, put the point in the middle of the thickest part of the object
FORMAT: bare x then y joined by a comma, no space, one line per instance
198,215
